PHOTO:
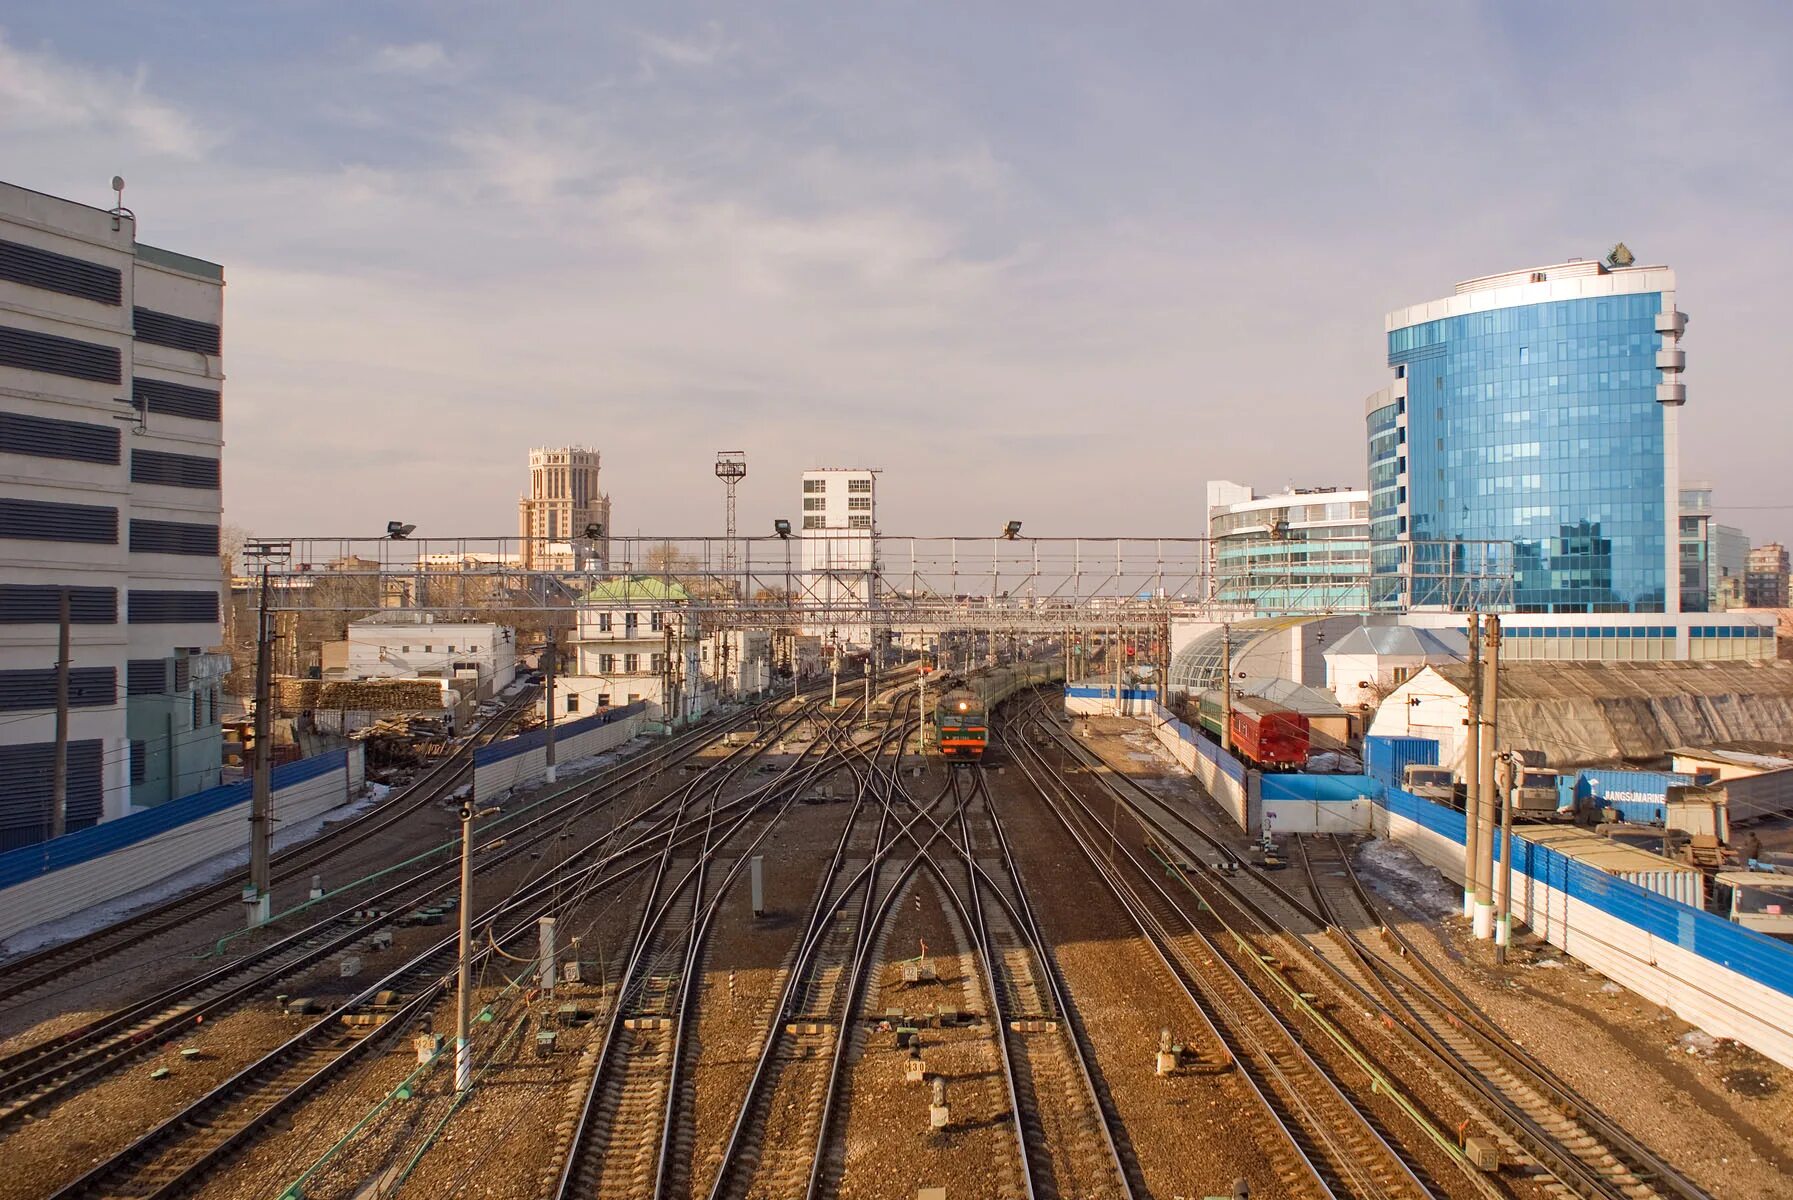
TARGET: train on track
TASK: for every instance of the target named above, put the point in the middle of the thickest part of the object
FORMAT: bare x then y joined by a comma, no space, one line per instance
1264,733
962,726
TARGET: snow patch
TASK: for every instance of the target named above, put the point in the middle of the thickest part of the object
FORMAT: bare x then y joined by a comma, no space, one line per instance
1392,871
1698,1041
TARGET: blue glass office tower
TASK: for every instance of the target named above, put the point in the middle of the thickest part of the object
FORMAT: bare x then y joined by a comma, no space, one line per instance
1532,420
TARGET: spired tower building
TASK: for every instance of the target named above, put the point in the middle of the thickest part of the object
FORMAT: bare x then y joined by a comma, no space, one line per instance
563,521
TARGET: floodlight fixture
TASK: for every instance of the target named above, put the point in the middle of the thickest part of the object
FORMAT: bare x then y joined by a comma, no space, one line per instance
1012,530
398,531
781,527
595,530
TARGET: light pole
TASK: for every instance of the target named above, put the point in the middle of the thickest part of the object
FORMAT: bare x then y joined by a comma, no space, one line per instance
258,896
463,1016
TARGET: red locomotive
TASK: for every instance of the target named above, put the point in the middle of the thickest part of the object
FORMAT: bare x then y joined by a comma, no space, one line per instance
1265,734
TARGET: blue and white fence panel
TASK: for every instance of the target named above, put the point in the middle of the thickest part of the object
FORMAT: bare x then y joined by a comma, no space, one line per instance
1730,981
1343,804
91,866
521,760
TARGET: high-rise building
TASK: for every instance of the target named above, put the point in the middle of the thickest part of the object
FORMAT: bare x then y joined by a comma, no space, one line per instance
840,551
1304,550
110,433
1713,556
563,522
1766,584
1534,412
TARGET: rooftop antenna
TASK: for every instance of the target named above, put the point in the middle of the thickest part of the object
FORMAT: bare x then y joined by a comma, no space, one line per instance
731,469
119,210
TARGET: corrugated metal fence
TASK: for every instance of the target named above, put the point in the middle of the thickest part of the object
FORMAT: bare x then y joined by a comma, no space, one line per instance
28,862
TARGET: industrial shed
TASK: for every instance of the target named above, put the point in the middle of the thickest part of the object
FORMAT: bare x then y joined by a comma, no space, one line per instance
1583,714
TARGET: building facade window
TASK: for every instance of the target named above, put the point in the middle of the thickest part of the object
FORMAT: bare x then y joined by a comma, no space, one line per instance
857,521
859,503
815,503
572,702
859,485
631,663
815,523
814,486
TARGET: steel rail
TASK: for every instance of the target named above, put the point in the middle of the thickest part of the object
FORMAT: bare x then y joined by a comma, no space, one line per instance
659,904
31,971
1396,1164
45,1071
1278,1094
1403,989
292,1071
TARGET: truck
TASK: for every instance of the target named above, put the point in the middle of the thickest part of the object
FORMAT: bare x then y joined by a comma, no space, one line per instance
1430,783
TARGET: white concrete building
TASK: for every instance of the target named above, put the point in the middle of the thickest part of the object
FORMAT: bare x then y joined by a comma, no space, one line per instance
110,434
738,662
1372,660
634,641
840,553
477,658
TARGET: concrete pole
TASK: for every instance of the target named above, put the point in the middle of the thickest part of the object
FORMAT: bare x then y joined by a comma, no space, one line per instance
59,765
1484,879
1503,927
1226,688
548,967
551,654
261,884
1472,768
463,1014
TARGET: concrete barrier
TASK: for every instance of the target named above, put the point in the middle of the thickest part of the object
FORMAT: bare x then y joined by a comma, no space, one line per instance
71,886
520,761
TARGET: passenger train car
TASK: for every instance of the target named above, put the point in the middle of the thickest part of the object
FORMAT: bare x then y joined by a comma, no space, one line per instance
1266,734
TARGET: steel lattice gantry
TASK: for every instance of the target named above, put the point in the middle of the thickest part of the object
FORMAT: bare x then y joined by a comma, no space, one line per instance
918,584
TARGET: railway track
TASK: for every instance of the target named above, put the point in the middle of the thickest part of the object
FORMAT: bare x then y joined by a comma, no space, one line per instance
1066,1132
1333,1145
44,1072
1328,917
625,1140
179,1152
1539,1116
30,973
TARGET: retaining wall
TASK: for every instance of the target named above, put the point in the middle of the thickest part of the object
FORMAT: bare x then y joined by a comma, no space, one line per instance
1226,778
1317,803
54,879
522,760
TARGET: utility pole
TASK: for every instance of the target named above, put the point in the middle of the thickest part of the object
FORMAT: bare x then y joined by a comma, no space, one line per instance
550,653
1508,775
666,673
260,896
1484,879
1226,687
1472,767
59,765
463,1015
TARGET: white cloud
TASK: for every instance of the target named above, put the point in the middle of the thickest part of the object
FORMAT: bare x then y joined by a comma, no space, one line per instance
706,48
42,94
416,58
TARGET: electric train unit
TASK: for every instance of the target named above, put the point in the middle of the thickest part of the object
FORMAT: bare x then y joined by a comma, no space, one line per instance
961,726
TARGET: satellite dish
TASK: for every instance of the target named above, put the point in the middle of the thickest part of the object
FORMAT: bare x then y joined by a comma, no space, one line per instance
118,183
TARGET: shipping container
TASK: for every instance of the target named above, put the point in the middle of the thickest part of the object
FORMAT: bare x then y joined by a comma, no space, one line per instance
1652,872
1769,794
1386,759
1639,796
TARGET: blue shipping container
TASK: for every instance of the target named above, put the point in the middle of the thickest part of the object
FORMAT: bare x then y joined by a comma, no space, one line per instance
1386,759
1639,796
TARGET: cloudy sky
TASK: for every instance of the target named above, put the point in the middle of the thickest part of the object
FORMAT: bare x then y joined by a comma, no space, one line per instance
1056,262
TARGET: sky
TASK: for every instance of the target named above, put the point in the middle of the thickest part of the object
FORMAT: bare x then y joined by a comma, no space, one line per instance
1060,263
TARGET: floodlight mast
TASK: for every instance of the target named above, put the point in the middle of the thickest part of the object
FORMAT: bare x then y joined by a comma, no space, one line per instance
731,469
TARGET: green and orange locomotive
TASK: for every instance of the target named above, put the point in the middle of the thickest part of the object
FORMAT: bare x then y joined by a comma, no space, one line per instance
961,726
